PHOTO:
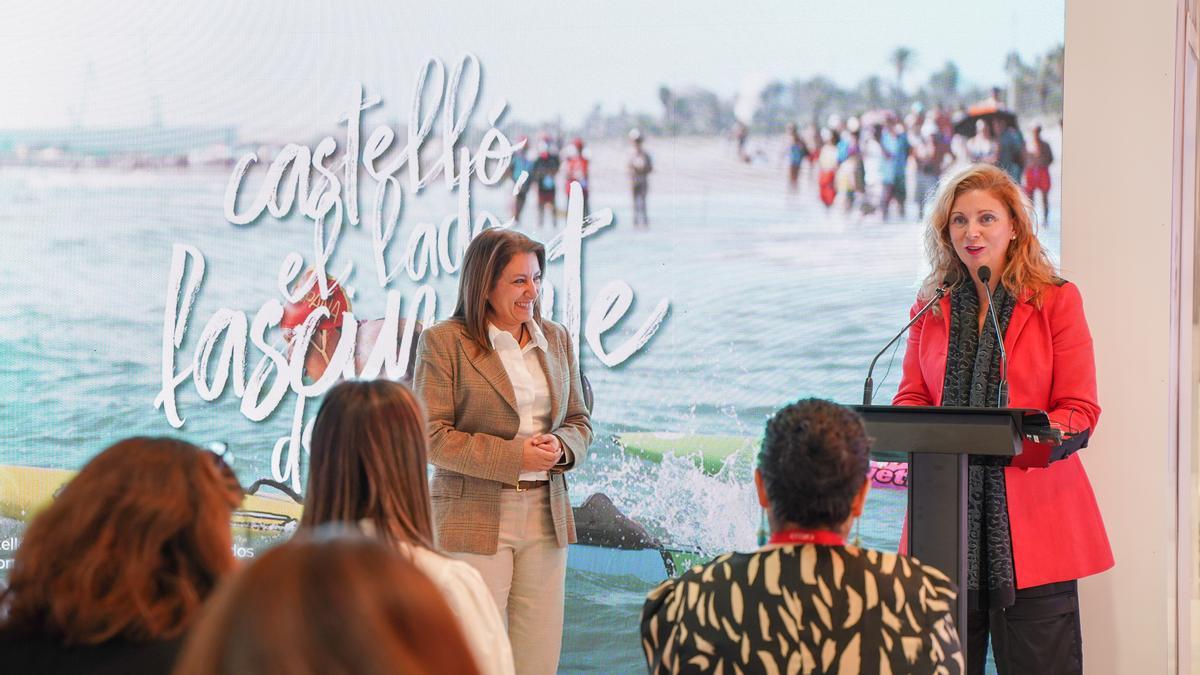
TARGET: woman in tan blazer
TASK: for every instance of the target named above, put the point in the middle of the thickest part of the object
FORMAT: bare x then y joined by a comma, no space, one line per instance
506,420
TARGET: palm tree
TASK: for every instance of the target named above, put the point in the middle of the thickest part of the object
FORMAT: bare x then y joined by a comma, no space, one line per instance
668,103
902,58
870,92
814,98
943,84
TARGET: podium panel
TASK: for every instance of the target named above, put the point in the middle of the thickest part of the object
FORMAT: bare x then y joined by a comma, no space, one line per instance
937,442
897,431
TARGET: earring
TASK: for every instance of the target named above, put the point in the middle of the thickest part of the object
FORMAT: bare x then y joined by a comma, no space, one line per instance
858,532
762,528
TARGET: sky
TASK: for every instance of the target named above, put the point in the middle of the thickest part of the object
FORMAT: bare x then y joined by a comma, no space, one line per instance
275,68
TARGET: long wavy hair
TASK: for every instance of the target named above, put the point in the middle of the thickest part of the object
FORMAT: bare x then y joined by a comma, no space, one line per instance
324,604
1028,267
486,257
368,462
130,548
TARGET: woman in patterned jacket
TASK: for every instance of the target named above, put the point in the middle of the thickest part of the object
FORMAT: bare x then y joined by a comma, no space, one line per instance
806,602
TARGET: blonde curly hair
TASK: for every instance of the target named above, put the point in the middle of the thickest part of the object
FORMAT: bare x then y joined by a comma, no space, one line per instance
1028,266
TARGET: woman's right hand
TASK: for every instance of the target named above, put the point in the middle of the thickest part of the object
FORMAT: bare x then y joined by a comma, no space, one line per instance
536,457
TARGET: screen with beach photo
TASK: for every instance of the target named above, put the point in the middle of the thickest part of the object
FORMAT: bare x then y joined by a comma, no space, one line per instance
731,198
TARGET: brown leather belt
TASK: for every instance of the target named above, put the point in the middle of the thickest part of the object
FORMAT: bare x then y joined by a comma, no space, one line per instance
523,485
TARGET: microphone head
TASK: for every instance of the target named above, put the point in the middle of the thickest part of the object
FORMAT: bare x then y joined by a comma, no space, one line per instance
985,274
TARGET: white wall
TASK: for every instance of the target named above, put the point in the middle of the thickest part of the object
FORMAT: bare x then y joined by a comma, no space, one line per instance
1116,244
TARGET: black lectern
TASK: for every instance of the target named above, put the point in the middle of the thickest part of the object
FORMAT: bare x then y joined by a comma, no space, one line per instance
936,442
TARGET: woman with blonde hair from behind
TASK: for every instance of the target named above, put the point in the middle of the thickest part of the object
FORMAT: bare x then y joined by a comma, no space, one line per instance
113,572
368,470
328,604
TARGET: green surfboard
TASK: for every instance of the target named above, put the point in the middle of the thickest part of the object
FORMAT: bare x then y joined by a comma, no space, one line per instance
708,451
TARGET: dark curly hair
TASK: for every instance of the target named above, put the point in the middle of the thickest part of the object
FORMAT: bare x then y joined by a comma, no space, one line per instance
814,459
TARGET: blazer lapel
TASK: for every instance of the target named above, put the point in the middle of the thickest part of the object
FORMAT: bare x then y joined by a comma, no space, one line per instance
552,368
1020,314
938,363
489,365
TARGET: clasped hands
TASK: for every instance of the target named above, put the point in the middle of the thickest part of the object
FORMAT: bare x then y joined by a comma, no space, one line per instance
540,452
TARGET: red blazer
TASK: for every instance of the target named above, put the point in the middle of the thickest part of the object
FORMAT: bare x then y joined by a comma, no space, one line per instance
1057,531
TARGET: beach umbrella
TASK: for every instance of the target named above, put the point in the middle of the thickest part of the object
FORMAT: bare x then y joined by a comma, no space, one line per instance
966,126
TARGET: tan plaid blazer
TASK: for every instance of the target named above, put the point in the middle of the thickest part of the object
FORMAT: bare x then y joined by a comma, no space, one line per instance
473,422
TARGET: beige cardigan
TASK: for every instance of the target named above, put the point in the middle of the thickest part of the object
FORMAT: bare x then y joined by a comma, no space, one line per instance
473,424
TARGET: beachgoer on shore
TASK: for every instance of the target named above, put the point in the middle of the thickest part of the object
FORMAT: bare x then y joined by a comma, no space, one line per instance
545,173
1010,150
931,152
874,162
740,134
576,169
850,169
639,166
1038,158
895,188
982,148
521,173
827,165
797,151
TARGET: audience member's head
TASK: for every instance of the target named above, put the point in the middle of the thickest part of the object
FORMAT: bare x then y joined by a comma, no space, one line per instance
130,548
812,470
327,604
368,462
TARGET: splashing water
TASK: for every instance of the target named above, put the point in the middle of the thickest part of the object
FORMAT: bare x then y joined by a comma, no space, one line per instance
678,502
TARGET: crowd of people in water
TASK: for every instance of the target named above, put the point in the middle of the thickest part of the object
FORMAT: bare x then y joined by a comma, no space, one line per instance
542,167
880,162
865,162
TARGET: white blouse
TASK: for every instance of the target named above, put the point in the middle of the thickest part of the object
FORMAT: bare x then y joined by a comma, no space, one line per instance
529,383
473,604
470,601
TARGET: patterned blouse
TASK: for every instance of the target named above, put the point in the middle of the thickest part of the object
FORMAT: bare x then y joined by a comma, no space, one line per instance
803,609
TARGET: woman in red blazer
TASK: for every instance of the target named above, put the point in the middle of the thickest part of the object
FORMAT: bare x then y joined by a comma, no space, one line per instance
1035,527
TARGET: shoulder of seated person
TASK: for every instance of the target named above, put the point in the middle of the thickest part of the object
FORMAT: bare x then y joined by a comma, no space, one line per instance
463,571
442,568
711,571
695,575
920,570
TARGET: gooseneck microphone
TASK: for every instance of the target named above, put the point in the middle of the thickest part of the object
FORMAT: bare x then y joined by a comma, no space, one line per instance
869,385
985,275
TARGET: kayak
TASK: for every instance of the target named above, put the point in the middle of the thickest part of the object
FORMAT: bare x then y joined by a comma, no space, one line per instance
25,490
711,453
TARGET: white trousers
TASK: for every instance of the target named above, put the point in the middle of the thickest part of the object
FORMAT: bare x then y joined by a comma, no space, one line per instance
526,576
